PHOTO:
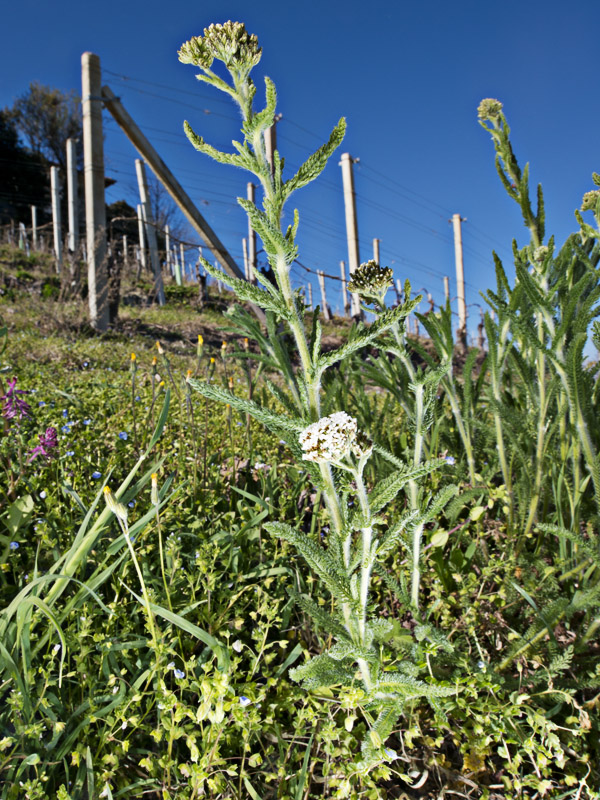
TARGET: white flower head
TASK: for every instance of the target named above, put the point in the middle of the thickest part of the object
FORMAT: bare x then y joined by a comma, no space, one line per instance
329,439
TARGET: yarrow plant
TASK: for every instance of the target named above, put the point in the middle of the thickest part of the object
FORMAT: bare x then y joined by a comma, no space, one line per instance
328,440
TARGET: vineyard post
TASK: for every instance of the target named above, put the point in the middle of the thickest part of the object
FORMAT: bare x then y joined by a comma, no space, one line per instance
446,288
245,253
72,195
310,299
460,280
325,309
168,250
142,258
180,277
95,207
376,250
344,290
34,233
150,230
351,225
56,226
251,236
125,253
270,136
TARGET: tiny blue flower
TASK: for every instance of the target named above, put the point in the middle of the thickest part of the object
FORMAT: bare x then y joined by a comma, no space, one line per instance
14,545
86,421
66,429
245,701
43,495
70,453
41,403
390,753
137,398
179,673
65,413
123,435
450,460
131,503
86,363
96,475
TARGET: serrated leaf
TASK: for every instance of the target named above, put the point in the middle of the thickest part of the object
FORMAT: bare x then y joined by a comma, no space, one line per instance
315,164
248,291
276,422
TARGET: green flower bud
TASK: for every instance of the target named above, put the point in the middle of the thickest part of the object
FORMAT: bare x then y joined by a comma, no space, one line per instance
590,200
371,281
489,109
195,52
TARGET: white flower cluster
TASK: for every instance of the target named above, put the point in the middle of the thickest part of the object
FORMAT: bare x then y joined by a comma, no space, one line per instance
329,439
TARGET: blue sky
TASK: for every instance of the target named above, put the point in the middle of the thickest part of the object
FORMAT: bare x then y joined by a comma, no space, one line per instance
407,76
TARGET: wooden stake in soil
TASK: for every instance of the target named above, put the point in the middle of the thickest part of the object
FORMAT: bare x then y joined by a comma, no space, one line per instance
351,225
325,310
251,189
150,230
95,208
56,226
72,195
344,290
142,250
34,233
446,288
310,300
376,250
460,280
168,250
180,278
245,252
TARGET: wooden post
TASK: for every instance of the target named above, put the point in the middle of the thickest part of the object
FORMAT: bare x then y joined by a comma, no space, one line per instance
345,302
376,250
72,195
351,225
271,141
460,280
34,232
245,253
56,226
125,252
95,208
446,288
23,243
398,288
140,217
430,301
310,302
480,330
180,277
168,250
150,230
325,308
251,188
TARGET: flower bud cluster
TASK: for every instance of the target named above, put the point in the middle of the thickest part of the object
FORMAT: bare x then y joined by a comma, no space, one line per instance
489,109
230,43
371,281
590,200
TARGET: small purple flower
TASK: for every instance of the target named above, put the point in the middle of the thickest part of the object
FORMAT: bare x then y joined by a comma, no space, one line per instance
41,403
70,453
47,446
96,475
14,406
14,545
123,435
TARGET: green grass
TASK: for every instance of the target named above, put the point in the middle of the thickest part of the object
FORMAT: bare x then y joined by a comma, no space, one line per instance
183,692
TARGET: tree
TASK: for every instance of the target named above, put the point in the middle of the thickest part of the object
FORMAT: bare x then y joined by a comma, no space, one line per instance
23,176
46,118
